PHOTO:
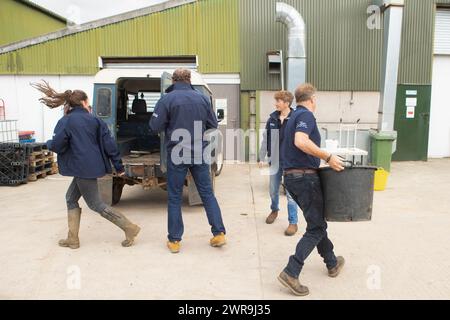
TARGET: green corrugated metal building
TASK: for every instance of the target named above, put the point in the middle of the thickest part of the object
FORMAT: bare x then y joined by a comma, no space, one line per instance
233,37
209,29
27,21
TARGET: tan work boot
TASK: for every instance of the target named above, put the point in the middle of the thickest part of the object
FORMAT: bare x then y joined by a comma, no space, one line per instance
333,273
72,241
218,241
174,247
291,230
272,217
293,284
131,230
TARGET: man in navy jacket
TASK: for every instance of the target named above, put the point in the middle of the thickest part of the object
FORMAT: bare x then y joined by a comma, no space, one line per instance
301,154
273,138
184,115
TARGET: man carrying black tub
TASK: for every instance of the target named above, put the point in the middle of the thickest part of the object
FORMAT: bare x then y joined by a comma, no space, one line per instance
302,154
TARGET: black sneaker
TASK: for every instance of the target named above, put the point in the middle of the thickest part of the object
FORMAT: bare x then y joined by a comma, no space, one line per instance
293,285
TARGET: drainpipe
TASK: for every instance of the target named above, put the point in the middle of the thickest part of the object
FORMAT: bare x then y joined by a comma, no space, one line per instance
253,148
393,18
296,54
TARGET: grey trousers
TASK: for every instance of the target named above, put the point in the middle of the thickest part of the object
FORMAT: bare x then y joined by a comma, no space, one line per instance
88,189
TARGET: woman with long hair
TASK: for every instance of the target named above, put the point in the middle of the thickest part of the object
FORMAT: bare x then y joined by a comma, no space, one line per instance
85,151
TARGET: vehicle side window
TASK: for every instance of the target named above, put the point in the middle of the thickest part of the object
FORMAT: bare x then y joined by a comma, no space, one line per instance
205,92
202,90
104,107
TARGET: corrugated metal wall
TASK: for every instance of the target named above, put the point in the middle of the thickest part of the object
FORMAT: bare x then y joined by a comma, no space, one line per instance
343,53
234,36
417,42
207,28
416,59
18,22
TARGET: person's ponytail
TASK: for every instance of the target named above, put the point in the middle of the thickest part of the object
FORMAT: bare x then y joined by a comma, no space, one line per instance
52,99
68,94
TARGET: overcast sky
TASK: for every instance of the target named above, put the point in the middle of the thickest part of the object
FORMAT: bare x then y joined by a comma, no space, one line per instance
81,11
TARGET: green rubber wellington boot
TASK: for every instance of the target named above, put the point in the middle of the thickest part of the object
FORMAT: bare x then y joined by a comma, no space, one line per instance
131,230
72,241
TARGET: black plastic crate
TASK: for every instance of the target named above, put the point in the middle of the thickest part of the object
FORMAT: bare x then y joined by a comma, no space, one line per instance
35,147
12,183
13,152
10,146
16,173
13,158
13,176
17,169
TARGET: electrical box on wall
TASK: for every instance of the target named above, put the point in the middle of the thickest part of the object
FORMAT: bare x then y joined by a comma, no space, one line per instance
275,62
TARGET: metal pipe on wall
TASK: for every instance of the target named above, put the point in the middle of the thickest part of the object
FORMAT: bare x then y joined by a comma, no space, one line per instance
253,141
296,53
393,22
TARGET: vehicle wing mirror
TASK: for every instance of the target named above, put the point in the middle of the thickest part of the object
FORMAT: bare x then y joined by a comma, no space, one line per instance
220,115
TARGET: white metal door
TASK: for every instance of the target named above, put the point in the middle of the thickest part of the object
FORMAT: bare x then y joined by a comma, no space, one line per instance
439,142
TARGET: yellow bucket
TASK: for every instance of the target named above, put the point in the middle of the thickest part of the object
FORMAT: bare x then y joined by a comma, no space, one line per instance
381,178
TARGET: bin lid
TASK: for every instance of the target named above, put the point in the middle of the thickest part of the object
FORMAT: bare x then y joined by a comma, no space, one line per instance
383,135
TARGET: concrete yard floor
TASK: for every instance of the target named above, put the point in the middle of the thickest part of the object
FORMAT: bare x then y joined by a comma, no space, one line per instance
402,254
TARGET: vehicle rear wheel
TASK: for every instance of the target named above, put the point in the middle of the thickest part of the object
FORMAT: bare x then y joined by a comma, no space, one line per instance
118,185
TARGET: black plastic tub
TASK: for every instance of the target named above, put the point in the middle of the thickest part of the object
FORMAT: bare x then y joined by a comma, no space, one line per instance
348,195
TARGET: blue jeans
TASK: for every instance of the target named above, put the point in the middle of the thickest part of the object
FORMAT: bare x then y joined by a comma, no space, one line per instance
176,175
307,192
275,183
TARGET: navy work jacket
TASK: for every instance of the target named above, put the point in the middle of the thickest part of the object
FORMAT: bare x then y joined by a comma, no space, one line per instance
84,146
184,115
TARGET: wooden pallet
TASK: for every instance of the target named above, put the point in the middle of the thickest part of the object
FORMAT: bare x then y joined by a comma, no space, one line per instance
48,153
36,176
42,174
54,169
50,159
41,164
37,163
33,170
36,156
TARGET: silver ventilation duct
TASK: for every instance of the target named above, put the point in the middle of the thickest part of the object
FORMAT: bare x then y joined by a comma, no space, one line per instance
392,38
296,54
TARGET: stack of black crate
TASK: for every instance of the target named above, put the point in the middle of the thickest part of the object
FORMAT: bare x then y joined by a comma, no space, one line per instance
14,165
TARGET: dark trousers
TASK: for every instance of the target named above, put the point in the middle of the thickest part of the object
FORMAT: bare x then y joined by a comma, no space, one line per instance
307,193
176,175
88,189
